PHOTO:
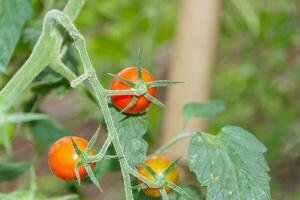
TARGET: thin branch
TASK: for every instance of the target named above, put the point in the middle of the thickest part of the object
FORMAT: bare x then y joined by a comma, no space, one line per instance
179,137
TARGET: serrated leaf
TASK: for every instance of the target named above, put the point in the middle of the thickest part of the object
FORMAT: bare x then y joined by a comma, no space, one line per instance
208,109
10,171
230,164
13,15
131,130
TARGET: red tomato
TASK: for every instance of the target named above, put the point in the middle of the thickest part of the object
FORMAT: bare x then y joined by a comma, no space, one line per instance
159,164
62,157
121,101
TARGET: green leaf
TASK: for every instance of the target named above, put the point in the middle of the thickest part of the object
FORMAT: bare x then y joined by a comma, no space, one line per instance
10,171
13,16
24,194
208,109
249,14
230,164
131,129
24,117
21,195
46,132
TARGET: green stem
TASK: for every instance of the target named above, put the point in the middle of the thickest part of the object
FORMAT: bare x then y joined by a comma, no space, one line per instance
99,90
32,67
38,60
45,52
103,150
179,137
73,8
60,68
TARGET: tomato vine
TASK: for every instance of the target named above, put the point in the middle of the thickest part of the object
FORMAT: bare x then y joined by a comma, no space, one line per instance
48,51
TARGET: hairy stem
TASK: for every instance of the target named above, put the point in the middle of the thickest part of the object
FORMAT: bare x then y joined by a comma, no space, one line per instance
38,60
31,68
99,90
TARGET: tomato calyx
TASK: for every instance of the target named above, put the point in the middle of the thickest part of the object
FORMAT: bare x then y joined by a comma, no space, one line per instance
140,87
85,158
160,179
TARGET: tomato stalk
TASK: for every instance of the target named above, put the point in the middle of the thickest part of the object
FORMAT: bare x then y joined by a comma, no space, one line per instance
166,146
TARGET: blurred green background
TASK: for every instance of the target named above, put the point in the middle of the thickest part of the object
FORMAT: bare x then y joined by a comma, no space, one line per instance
257,75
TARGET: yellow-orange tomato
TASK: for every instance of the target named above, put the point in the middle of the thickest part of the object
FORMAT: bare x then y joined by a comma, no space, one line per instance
159,164
121,101
62,157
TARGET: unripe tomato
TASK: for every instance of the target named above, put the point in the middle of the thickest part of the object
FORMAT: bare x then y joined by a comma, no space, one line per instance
121,101
62,157
159,164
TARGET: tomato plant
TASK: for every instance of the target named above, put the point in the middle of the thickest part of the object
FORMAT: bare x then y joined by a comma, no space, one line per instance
62,157
230,164
122,101
159,164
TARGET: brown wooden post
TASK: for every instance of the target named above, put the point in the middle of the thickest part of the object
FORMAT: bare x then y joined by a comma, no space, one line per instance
192,61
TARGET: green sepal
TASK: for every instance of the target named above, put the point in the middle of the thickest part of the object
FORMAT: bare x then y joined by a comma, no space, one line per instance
179,190
139,187
77,166
140,67
164,194
150,170
130,105
161,83
93,141
125,81
170,167
92,176
76,148
154,100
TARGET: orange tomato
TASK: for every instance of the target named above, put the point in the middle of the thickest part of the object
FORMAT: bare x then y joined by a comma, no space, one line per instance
159,164
121,101
62,157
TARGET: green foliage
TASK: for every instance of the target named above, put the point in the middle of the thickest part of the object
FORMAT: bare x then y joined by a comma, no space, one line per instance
258,77
131,130
13,15
208,109
24,195
230,164
46,132
258,74
10,171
